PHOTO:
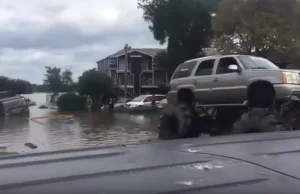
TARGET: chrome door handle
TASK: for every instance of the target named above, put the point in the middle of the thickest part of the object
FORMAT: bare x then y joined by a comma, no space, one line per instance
215,79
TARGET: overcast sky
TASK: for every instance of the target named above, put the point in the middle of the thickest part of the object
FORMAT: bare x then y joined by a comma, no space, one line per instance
71,34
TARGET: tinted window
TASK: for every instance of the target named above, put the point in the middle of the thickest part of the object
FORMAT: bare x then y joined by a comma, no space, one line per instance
128,100
224,65
184,70
139,98
257,62
205,68
148,99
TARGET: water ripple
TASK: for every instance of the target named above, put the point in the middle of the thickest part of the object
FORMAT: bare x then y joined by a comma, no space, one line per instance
84,130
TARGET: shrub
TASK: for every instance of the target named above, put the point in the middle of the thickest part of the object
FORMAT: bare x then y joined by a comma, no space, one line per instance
97,85
71,102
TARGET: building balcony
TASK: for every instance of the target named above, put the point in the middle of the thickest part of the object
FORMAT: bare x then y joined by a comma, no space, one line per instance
148,80
121,80
113,66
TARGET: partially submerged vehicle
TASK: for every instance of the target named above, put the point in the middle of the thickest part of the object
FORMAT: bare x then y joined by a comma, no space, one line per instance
121,103
13,106
162,103
226,94
141,104
51,100
144,101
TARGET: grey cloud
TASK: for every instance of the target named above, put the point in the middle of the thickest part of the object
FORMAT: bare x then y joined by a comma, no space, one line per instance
27,46
66,36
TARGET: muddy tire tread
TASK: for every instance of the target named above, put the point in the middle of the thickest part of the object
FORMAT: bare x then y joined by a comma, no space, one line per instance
259,120
178,122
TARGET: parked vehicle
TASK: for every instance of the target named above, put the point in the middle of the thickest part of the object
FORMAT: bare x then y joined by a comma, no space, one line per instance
144,101
122,102
162,103
16,105
51,100
30,102
243,93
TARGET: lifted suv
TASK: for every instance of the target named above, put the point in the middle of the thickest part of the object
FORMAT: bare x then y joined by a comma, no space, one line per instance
230,94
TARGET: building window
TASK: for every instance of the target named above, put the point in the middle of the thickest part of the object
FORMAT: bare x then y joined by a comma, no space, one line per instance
112,61
146,79
145,65
121,65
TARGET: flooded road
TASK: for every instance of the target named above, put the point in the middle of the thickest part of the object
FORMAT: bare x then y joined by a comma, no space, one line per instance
83,130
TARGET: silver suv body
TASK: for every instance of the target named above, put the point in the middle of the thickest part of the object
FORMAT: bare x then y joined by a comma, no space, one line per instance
225,80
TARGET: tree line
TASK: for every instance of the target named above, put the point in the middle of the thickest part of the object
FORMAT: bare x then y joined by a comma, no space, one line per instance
16,86
56,80
97,85
265,28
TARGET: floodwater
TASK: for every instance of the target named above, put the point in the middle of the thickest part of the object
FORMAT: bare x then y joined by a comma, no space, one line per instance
82,130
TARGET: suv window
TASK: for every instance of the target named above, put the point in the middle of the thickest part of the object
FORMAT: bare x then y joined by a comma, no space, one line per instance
205,68
184,70
257,62
224,64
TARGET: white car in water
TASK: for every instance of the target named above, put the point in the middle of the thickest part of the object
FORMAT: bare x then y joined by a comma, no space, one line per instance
122,102
162,103
144,101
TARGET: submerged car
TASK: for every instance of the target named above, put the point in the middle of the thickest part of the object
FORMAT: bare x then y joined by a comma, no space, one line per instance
16,105
162,103
122,102
144,101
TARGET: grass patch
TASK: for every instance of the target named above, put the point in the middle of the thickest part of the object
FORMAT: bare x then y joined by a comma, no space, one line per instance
8,153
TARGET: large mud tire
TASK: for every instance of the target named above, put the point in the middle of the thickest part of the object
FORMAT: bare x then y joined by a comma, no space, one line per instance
291,114
178,122
259,120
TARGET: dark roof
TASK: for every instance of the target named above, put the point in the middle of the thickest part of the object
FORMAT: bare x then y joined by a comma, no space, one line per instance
147,51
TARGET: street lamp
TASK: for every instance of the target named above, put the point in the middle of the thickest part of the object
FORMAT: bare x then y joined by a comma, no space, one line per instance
126,48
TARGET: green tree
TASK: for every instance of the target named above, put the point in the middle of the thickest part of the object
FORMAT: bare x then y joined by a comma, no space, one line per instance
262,27
53,79
71,102
97,85
16,86
185,25
67,81
57,81
67,77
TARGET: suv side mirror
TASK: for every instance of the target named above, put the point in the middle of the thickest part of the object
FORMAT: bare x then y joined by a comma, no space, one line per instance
234,68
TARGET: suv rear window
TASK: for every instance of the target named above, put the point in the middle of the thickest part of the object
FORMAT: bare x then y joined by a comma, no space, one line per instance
184,70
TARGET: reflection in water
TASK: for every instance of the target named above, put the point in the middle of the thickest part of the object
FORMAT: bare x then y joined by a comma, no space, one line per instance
83,130
13,131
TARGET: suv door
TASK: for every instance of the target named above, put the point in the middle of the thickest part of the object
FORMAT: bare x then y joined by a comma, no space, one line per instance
229,86
203,81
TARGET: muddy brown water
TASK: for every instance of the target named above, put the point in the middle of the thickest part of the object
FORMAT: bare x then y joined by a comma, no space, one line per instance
82,130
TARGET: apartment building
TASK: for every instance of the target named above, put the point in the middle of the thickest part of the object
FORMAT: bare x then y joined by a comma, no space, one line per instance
143,75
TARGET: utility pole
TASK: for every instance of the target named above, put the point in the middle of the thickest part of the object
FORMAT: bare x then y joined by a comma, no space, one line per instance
126,48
